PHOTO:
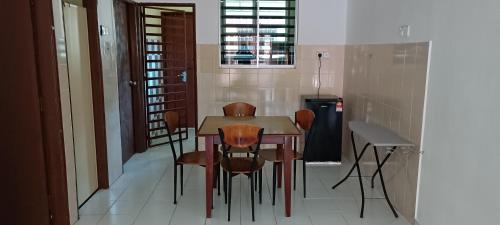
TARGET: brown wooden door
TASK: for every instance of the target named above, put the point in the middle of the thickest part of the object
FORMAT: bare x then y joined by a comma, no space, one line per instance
179,33
170,69
192,100
125,81
23,170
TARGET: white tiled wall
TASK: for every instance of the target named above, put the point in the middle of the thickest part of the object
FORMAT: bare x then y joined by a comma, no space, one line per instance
385,84
273,91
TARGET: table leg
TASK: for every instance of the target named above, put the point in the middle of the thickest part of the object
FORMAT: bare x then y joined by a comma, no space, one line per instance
279,170
352,168
356,165
360,179
381,165
379,168
287,167
209,174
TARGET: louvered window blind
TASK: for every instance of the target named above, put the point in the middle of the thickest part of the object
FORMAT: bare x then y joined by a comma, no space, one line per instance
257,33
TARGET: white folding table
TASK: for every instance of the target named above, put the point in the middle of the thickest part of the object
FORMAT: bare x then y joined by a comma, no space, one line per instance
376,136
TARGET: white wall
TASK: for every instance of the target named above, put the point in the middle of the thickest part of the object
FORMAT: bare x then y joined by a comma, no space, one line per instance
459,170
110,85
379,21
320,22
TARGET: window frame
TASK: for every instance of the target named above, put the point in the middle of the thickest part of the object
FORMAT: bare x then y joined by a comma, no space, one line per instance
258,65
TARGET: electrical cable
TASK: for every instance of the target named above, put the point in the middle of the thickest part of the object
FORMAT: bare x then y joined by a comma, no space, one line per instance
319,73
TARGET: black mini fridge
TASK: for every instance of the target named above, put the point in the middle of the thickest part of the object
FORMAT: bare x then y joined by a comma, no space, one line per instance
325,146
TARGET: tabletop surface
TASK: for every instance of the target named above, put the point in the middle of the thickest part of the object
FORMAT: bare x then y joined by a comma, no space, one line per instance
273,125
378,135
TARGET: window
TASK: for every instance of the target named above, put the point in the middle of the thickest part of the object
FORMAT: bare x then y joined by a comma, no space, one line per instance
257,32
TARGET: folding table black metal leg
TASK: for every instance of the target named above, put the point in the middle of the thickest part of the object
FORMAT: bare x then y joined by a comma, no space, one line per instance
359,176
382,164
356,165
379,168
352,168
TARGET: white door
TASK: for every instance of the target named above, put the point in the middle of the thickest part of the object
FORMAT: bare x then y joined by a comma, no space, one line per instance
77,43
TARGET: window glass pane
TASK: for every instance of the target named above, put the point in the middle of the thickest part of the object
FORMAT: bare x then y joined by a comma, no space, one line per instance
257,32
277,32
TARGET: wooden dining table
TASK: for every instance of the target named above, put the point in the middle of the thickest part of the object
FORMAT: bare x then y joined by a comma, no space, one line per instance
278,130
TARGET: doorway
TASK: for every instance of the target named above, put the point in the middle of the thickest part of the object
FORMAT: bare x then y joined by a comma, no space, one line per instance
169,55
128,79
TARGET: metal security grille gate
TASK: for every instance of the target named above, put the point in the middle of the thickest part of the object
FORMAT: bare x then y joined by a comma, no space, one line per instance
165,65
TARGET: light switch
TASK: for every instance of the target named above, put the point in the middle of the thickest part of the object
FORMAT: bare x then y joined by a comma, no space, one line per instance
404,31
103,30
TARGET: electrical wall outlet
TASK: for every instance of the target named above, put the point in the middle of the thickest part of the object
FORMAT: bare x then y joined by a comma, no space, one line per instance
324,54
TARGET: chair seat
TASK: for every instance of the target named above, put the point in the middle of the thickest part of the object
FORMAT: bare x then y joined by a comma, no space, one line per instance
242,164
198,158
276,155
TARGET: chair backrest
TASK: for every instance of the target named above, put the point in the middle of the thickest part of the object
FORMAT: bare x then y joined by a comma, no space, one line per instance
304,119
171,119
241,136
239,109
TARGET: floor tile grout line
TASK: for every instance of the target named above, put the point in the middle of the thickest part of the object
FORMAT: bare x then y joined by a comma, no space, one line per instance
111,206
150,194
269,191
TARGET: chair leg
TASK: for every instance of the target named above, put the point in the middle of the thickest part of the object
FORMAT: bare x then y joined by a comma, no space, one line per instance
304,176
214,178
175,183
294,174
260,186
218,180
252,194
182,179
256,176
230,179
274,183
224,182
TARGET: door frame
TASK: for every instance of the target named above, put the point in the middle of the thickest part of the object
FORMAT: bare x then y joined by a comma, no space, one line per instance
195,64
97,94
136,74
137,71
50,104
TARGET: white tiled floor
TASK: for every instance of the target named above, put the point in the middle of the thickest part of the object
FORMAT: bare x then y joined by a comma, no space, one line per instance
143,195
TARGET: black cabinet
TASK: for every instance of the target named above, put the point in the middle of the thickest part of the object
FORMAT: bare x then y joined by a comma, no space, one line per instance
326,133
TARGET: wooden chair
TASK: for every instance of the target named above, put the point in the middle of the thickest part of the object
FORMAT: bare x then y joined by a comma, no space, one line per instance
303,119
189,158
242,136
239,109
